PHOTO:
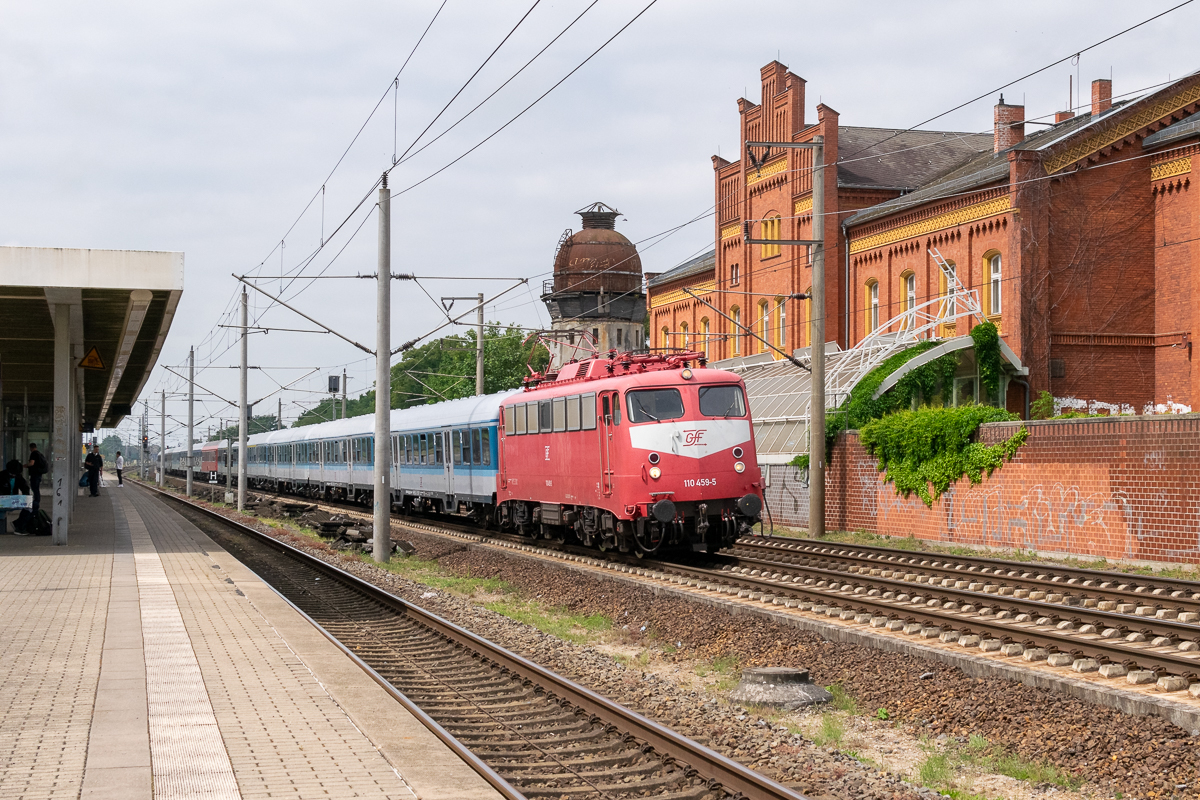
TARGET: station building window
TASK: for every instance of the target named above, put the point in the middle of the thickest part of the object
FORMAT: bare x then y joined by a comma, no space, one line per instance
735,314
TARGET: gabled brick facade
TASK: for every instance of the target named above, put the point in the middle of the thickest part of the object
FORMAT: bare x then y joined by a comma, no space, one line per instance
1090,229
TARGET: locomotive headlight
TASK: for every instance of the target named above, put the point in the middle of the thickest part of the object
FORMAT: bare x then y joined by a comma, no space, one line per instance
738,466
686,374
655,473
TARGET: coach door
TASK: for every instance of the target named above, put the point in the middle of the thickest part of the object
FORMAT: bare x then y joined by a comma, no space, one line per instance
448,467
610,417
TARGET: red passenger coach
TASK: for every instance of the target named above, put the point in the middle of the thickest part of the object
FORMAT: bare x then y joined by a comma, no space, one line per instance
638,453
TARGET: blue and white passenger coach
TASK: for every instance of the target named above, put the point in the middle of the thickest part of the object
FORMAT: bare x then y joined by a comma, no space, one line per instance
444,457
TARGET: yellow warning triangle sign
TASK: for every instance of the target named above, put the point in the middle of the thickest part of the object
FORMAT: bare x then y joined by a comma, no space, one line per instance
92,360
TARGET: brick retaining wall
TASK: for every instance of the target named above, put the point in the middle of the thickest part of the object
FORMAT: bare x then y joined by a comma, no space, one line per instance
1120,487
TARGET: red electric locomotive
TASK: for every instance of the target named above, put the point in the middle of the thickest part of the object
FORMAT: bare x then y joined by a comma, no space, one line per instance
639,453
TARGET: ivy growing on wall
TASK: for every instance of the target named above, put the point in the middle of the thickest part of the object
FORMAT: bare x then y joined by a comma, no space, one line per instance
925,451
988,359
924,382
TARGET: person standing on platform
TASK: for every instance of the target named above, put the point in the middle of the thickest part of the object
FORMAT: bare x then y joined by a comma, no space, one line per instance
93,464
37,468
120,467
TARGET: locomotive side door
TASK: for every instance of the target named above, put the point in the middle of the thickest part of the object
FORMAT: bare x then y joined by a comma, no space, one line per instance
610,417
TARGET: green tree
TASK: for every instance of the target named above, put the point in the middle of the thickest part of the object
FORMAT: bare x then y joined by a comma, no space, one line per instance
258,424
109,447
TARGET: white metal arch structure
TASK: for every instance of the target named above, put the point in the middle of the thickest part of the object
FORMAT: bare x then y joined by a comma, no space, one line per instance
900,332
780,394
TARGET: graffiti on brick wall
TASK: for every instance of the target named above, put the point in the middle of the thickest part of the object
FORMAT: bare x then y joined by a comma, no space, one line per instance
1087,519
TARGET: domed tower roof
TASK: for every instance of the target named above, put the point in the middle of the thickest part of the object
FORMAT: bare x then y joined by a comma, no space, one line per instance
597,258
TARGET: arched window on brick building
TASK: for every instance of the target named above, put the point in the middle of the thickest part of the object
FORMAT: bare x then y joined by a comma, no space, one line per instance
772,228
764,317
704,334
781,339
872,309
683,333
666,338
992,267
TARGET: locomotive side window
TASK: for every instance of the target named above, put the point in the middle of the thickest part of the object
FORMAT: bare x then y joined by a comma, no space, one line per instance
573,413
587,412
722,401
509,426
486,446
545,417
518,415
654,405
531,415
476,458
559,406
456,446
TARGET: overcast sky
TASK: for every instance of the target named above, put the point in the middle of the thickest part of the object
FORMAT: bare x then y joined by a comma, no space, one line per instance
207,127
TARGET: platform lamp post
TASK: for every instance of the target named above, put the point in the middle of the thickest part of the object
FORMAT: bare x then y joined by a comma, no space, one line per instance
816,414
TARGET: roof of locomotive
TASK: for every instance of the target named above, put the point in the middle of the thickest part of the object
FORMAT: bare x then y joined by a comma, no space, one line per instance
628,369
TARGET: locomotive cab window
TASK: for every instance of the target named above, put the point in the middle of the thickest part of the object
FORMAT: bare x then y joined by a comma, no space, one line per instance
654,405
722,401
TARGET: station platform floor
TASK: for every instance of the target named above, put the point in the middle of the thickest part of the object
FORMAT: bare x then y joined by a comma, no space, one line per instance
142,661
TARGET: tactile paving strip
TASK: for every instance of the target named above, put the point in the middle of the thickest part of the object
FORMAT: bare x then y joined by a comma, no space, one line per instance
187,754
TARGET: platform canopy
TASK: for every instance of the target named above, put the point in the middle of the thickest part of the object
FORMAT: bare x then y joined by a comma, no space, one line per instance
121,304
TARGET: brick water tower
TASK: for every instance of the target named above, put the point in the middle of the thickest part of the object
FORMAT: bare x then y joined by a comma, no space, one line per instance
596,294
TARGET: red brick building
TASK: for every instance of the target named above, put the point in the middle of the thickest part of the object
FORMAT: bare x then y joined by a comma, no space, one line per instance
1081,238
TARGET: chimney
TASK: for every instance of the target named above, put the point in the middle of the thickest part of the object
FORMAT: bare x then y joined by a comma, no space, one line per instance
1009,126
1063,116
1101,96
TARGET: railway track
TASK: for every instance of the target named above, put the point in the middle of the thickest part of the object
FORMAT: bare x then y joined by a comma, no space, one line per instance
533,733
1092,620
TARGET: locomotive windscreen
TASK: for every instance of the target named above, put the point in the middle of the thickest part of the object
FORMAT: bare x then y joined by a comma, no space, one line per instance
722,401
654,405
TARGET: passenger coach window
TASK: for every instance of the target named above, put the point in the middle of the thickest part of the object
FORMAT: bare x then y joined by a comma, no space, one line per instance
559,405
722,401
486,446
456,446
476,458
654,405
587,412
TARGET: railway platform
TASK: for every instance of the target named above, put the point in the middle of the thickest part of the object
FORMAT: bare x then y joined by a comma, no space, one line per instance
142,661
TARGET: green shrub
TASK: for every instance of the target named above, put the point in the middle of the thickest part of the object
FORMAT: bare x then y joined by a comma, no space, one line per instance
925,451
1043,407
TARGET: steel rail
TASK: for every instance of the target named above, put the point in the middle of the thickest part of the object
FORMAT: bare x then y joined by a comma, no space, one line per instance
719,771
950,568
1152,581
